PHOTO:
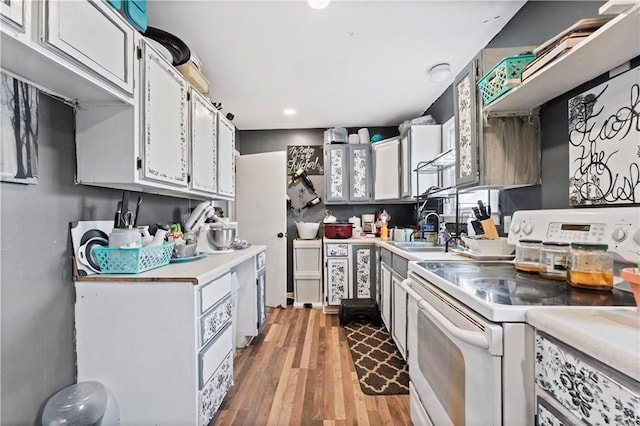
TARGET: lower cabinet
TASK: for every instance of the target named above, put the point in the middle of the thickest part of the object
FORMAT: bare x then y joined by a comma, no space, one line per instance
385,294
307,273
251,276
575,389
399,321
349,273
164,349
393,297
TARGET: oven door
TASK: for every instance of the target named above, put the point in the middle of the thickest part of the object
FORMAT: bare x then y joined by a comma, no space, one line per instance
454,358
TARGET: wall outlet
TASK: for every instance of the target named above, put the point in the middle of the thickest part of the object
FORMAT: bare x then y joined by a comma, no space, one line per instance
507,224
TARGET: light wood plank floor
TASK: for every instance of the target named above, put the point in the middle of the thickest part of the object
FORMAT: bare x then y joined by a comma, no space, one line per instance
299,371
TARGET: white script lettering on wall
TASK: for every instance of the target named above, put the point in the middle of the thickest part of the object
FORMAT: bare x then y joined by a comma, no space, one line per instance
19,127
604,143
307,157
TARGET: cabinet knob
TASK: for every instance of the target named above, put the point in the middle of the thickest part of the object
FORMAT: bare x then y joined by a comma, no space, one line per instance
280,235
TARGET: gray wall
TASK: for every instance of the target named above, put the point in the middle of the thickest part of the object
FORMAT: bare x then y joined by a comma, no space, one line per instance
37,319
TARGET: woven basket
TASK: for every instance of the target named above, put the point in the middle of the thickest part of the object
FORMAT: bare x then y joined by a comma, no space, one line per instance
132,260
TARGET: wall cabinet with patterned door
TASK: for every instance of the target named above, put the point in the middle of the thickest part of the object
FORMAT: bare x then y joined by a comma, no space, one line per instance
497,151
226,158
348,176
204,145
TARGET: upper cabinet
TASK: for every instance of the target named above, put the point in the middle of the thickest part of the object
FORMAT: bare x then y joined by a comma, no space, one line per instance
421,143
164,118
226,158
81,50
610,46
171,141
348,176
386,169
498,152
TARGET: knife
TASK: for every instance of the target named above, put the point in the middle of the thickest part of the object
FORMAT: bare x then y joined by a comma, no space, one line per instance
116,219
476,213
483,210
135,217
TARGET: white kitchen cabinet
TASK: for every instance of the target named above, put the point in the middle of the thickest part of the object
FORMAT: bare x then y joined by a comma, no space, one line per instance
385,295
164,349
226,158
399,321
204,145
14,13
252,310
348,177
420,143
170,142
80,50
386,169
164,119
92,35
307,273
350,272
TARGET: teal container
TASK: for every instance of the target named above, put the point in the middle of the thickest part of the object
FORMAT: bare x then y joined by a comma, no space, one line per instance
136,12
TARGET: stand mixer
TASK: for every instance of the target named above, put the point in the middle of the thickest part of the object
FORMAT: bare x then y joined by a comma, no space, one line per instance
197,223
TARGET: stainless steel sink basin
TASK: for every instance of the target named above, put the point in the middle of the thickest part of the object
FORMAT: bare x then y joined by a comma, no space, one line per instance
416,246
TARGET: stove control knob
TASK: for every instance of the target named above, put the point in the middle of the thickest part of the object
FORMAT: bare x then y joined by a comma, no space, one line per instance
618,235
515,227
527,228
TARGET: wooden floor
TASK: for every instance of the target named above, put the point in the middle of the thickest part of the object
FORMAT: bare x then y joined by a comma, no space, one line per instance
299,371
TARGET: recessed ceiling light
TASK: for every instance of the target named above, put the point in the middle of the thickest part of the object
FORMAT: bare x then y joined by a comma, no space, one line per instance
289,111
440,72
318,4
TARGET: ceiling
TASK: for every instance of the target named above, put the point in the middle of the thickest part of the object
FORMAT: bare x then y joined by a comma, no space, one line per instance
354,63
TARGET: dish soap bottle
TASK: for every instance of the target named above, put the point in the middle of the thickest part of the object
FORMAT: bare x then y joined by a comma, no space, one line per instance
384,233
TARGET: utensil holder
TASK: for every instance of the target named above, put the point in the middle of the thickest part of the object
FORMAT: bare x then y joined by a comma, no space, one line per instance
490,230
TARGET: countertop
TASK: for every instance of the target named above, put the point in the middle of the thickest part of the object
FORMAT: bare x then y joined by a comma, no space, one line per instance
197,272
428,255
610,335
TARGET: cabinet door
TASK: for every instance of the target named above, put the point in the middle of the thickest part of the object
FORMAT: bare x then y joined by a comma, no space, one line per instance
261,286
385,295
165,117
14,13
360,171
336,176
204,144
363,270
386,171
226,158
337,281
93,35
466,124
399,315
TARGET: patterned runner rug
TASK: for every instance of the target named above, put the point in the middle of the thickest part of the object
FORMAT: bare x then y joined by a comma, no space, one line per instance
380,367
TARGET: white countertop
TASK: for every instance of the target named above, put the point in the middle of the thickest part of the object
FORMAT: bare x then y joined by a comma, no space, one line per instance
609,335
197,272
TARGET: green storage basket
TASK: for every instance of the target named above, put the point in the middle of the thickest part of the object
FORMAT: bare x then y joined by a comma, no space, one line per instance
494,83
132,260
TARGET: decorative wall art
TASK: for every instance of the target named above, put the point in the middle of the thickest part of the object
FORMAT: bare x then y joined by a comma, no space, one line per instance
307,157
604,143
19,127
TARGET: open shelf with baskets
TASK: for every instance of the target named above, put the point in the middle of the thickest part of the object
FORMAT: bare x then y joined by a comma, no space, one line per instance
610,46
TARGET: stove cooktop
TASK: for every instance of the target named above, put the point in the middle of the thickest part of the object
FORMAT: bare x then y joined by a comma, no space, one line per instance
498,291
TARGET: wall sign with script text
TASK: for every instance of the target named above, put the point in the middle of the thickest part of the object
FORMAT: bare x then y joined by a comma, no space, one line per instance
307,157
604,143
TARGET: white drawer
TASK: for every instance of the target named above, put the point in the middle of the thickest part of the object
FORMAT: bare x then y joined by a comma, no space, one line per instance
215,319
214,291
212,355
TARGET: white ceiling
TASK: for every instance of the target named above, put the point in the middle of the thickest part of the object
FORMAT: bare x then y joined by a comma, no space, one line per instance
355,63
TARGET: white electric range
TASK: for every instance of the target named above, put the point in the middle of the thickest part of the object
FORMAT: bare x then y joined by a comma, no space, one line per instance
470,349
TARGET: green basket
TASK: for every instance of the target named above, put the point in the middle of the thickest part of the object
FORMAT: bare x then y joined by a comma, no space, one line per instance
132,260
494,83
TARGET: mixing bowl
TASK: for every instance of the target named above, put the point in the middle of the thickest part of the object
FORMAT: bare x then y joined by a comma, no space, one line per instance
307,230
220,238
489,247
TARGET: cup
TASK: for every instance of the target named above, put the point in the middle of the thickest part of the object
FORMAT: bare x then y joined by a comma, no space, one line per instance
127,237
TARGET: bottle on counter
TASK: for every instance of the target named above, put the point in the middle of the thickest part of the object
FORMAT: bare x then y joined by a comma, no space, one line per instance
590,266
384,232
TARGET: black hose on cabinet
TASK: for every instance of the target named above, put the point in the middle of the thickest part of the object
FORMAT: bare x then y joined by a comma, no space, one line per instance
179,50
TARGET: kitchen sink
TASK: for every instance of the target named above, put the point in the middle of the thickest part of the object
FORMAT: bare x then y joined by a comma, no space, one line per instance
416,246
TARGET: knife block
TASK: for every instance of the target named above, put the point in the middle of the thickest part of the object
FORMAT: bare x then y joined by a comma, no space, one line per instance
490,230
